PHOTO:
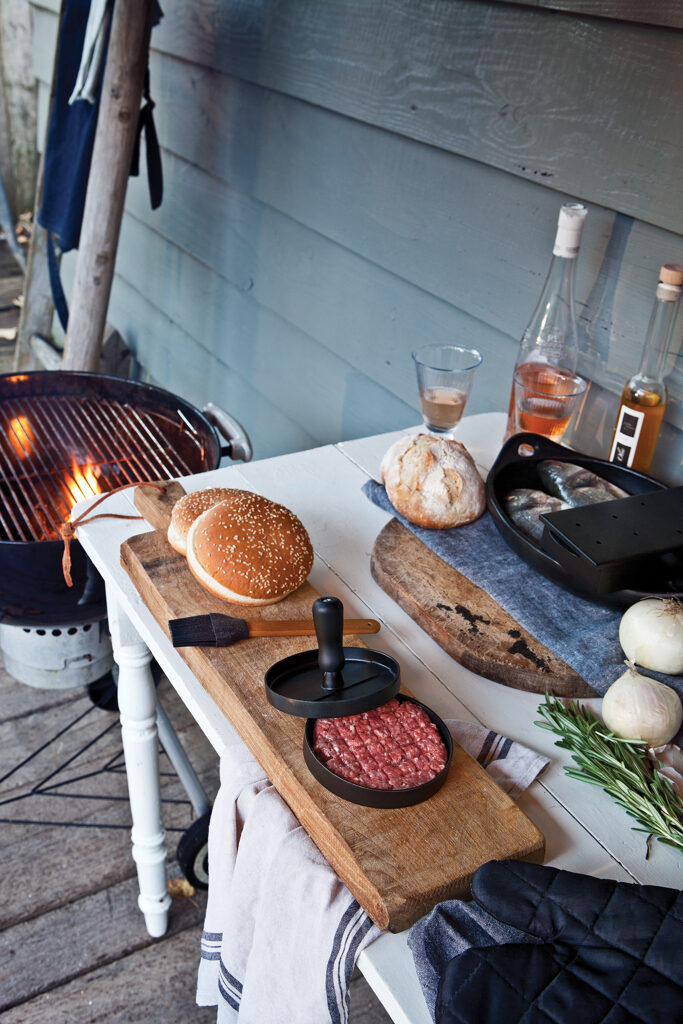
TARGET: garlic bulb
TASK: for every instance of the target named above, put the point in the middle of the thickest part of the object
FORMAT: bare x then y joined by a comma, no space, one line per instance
651,634
637,707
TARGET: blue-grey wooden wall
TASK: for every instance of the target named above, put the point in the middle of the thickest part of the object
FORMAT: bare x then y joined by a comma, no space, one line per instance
345,180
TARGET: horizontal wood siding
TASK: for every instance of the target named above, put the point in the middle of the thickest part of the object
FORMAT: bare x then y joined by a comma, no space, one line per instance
309,238
652,12
571,102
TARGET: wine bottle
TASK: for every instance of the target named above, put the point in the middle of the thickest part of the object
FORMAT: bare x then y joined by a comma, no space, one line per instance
643,400
551,337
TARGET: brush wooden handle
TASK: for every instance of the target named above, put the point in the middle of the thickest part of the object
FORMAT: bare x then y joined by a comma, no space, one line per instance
304,627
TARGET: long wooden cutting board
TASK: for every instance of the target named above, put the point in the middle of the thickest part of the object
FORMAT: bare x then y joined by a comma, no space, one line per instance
465,620
397,863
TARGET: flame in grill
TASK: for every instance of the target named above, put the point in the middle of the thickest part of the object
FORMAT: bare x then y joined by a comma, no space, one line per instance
83,482
20,436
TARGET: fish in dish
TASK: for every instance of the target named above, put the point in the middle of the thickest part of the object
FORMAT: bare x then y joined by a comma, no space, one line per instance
576,485
525,506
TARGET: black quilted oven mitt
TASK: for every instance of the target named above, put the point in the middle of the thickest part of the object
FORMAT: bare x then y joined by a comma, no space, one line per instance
598,951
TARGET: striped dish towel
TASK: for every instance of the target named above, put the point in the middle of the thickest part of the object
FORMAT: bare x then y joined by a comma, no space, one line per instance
513,766
282,932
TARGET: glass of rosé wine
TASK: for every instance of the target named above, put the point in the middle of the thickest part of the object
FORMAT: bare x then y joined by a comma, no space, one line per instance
444,379
546,398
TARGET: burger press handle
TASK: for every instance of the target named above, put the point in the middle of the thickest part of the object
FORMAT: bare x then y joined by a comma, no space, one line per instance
328,617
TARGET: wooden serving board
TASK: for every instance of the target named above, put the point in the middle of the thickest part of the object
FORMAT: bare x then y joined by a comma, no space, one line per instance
397,863
465,620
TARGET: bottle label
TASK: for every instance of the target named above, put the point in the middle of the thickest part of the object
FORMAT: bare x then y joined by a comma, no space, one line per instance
626,435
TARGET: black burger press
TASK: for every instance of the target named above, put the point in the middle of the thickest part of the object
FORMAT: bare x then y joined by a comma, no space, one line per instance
333,681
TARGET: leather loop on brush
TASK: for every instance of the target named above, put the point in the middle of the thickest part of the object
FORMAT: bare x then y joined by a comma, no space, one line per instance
67,530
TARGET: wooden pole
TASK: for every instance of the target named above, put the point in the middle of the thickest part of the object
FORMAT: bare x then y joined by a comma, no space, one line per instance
38,308
112,152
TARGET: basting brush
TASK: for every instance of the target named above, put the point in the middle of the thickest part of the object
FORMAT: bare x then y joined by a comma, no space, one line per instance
217,630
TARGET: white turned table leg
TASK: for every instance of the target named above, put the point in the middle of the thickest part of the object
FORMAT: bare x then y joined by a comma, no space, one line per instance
137,705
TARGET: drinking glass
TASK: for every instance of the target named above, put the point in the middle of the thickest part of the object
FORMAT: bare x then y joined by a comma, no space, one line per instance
546,398
444,379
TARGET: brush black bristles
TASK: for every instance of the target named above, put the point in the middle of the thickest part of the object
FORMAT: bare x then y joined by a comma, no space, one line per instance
212,630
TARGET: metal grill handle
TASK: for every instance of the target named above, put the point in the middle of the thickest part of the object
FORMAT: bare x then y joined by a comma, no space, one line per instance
239,445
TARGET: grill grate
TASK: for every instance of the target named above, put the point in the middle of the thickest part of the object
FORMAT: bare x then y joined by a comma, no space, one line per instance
55,450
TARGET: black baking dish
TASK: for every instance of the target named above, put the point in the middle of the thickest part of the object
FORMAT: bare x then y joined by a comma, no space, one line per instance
381,798
517,466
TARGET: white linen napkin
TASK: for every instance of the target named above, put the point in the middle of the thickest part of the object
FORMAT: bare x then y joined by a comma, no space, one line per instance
86,86
282,932
90,69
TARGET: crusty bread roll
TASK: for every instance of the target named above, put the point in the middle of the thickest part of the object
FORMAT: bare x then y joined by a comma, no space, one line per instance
187,509
433,481
249,550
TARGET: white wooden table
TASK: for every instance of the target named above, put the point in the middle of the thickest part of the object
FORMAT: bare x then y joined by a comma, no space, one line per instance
584,829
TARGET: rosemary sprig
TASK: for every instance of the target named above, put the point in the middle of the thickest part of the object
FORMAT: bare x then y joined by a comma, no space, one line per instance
621,767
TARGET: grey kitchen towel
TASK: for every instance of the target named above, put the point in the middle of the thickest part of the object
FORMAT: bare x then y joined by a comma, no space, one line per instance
585,635
450,929
282,932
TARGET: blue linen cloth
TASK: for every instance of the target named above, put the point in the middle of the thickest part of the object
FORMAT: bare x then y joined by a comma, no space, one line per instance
585,635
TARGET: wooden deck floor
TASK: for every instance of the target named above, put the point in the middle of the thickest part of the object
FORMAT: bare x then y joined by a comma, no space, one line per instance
73,946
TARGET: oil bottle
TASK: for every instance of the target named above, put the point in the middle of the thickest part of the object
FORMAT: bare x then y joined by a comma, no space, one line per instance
643,400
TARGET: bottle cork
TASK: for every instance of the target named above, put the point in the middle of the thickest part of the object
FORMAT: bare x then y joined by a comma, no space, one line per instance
569,228
671,273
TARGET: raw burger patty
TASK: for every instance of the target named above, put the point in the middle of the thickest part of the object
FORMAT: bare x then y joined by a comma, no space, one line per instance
395,746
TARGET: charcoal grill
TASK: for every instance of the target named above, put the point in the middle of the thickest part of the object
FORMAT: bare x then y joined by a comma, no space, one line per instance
66,435
63,437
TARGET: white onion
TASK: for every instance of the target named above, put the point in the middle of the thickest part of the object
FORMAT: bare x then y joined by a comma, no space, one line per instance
637,707
651,635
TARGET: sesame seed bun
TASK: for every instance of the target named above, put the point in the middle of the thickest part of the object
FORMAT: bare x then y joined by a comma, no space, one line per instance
249,550
187,509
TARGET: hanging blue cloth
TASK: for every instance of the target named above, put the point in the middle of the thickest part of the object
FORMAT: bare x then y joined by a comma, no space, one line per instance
70,136
69,145
68,150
